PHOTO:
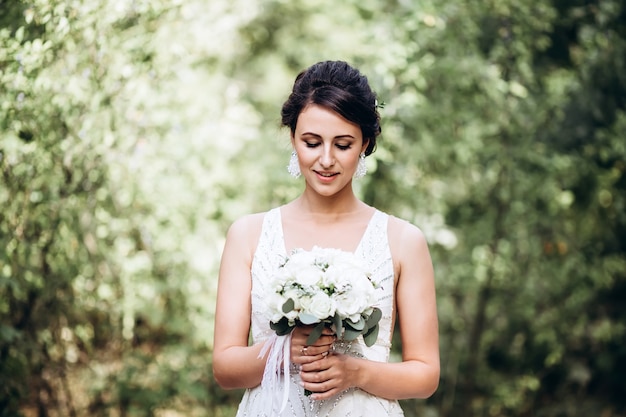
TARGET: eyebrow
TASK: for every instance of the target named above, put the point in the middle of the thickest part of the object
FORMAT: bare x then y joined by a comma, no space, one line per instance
346,136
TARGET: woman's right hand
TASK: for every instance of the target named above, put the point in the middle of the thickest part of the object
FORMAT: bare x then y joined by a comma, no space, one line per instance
302,353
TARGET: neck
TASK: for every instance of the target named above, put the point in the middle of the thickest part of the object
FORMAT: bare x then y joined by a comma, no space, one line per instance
336,205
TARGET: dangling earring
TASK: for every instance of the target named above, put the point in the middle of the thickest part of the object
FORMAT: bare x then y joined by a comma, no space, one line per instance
361,168
294,167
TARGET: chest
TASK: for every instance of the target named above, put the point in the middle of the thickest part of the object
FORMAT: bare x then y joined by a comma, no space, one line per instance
341,235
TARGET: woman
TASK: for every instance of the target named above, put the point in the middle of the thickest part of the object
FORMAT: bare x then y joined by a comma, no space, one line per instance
333,119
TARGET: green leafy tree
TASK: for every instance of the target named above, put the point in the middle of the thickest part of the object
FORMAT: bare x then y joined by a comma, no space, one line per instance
133,133
502,139
103,289
496,108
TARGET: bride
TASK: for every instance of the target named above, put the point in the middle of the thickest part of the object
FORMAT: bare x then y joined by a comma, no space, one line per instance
334,123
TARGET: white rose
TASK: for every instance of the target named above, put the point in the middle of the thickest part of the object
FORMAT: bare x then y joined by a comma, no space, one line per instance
333,278
355,293
301,268
360,282
295,294
300,259
349,277
275,303
283,278
317,307
351,305
310,276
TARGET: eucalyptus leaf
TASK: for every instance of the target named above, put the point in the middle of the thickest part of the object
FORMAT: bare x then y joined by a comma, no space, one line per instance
315,333
350,334
374,318
371,336
288,305
308,319
359,325
338,324
282,327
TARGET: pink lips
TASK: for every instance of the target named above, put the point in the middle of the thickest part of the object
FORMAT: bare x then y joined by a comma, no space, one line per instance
326,176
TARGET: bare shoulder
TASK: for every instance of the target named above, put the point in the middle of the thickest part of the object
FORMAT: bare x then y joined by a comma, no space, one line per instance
403,234
409,247
248,224
245,231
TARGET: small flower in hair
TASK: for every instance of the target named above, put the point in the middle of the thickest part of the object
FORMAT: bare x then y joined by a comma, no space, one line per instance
379,105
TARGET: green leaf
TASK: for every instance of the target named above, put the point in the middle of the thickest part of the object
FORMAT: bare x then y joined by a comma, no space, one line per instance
338,324
374,318
282,327
359,325
315,333
289,305
308,319
350,334
371,335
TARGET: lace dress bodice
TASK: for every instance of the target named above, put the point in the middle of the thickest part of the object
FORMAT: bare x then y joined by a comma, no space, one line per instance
374,251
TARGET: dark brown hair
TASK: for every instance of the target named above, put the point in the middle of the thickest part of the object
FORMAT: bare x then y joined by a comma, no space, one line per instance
341,88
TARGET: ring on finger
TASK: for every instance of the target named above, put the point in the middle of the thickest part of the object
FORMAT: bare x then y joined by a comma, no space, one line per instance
303,351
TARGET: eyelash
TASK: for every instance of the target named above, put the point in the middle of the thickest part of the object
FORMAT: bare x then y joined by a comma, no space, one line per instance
315,145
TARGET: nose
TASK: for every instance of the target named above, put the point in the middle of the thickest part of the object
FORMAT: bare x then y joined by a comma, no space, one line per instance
327,159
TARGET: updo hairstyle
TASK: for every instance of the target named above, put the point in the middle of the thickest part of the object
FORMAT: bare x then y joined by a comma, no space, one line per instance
341,88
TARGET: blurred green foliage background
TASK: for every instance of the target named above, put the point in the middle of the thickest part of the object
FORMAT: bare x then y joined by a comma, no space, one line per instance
133,132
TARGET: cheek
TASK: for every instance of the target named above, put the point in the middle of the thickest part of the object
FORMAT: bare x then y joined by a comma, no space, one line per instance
305,156
351,160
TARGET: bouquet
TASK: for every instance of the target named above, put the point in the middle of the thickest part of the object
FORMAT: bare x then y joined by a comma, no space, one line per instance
324,287
321,287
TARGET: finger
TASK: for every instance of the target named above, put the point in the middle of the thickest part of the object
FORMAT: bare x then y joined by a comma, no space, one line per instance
325,395
312,358
316,366
325,342
300,358
296,350
314,377
312,350
320,390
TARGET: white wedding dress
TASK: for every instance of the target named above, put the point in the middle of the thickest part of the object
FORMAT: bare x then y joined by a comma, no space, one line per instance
373,249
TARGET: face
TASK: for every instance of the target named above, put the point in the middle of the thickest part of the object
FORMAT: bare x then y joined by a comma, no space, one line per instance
328,148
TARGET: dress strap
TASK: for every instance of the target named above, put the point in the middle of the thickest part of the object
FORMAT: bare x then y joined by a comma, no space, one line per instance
374,240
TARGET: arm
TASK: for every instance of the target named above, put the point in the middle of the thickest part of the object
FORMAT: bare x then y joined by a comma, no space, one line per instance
417,376
235,364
